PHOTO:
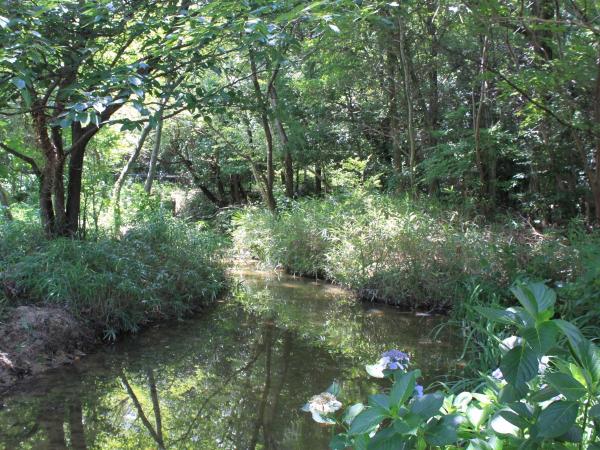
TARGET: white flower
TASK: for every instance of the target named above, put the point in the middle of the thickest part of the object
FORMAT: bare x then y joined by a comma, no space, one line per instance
376,370
543,364
498,375
510,342
324,403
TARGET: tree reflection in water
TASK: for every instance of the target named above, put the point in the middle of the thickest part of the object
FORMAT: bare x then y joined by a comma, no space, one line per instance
235,378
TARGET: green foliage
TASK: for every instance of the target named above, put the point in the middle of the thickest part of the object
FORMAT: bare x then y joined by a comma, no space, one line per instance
161,268
392,249
546,393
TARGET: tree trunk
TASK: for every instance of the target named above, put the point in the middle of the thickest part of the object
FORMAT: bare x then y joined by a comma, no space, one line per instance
409,105
116,194
433,110
155,151
5,204
288,163
595,173
268,193
478,116
392,91
235,185
318,179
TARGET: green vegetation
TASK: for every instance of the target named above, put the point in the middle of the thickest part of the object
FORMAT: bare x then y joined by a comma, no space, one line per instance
114,285
425,154
545,392
419,255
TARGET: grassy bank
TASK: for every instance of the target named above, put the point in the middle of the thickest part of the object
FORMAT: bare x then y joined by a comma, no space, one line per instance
161,268
418,255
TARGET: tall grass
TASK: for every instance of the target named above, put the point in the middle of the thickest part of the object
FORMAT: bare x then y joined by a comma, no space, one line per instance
416,255
160,268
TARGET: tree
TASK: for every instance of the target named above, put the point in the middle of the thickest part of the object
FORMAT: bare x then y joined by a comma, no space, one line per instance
83,62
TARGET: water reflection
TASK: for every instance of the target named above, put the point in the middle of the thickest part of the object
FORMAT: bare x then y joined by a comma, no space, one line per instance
234,378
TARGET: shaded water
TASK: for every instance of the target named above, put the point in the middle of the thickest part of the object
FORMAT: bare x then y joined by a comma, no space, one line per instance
234,378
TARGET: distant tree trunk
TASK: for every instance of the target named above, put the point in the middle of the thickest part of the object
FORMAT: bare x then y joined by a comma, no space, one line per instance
76,424
433,110
5,204
116,194
155,405
200,184
155,152
392,91
270,176
409,100
594,172
140,411
318,179
288,163
477,117
238,195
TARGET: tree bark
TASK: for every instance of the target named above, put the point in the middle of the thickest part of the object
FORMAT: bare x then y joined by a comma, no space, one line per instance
155,151
5,204
392,91
288,163
318,179
268,192
478,116
409,105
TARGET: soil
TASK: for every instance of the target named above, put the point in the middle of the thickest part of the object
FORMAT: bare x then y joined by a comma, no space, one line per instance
34,339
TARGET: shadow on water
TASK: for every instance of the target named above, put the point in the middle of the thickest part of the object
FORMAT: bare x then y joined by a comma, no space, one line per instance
234,378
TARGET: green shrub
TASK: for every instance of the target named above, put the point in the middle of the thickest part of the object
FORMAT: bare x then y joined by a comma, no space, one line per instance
161,268
391,249
544,394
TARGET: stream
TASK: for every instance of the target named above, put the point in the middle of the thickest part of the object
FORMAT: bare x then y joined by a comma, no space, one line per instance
234,377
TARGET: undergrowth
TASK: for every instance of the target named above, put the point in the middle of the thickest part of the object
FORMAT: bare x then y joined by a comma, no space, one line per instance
419,255
160,268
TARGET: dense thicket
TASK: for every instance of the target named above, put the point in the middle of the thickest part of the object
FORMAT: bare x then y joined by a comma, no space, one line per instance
496,102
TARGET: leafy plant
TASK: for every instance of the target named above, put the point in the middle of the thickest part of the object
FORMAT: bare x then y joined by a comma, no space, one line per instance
545,393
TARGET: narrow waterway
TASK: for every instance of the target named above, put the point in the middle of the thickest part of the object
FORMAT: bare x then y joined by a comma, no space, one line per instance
233,378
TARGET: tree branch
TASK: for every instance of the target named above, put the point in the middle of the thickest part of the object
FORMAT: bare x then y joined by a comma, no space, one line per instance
23,157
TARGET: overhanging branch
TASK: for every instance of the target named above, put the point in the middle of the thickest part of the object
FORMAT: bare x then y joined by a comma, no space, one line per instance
23,157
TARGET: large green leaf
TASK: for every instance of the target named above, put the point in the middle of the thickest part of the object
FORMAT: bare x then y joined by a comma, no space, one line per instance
443,431
404,385
514,419
573,335
502,316
566,385
590,360
519,365
367,420
335,389
541,337
526,299
428,405
388,439
381,400
557,419
408,424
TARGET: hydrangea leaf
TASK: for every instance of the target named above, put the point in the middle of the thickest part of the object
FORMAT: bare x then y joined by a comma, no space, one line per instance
367,420
428,405
519,365
557,419
566,385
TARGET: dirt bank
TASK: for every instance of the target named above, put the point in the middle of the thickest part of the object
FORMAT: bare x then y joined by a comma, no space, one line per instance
34,339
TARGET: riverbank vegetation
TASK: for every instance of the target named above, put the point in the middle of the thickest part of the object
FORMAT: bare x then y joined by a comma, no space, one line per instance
114,285
424,154
422,255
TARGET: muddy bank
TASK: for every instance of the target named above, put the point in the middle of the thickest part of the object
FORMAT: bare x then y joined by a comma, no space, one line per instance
34,339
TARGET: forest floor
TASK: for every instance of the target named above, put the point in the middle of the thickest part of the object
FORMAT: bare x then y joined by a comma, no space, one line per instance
34,339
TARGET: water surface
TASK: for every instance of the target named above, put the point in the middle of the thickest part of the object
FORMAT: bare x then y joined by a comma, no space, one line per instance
233,378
